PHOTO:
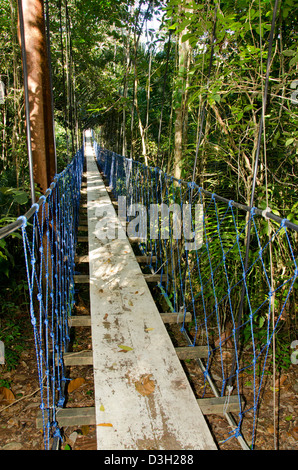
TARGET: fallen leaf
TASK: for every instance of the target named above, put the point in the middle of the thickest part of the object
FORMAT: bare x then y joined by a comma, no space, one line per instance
124,348
6,395
106,316
279,382
85,429
108,425
294,432
145,386
149,329
102,408
271,429
13,446
224,339
75,384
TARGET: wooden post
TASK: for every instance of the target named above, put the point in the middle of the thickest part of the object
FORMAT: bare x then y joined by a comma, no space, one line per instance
40,101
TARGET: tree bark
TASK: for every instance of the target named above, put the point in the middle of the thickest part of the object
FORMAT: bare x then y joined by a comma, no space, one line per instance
181,120
40,102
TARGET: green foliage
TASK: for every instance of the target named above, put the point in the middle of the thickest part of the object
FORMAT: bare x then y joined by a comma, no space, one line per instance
14,322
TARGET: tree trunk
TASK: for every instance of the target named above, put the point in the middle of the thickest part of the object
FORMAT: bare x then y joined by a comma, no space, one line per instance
181,119
40,102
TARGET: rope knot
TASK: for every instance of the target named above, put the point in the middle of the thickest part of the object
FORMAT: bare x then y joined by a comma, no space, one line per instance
253,211
283,222
24,220
264,212
36,206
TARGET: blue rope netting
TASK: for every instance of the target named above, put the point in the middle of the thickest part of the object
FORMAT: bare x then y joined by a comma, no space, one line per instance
49,240
210,281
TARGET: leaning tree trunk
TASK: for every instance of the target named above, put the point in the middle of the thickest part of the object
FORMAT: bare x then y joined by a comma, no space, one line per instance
181,118
40,100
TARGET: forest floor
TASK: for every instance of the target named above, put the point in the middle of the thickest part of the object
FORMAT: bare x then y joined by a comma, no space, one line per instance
18,410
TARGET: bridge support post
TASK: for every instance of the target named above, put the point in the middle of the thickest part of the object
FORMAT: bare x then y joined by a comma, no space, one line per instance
39,91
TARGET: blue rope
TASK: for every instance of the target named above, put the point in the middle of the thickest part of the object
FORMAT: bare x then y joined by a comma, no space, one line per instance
49,247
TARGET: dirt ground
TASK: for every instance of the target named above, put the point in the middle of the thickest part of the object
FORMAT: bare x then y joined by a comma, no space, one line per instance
19,408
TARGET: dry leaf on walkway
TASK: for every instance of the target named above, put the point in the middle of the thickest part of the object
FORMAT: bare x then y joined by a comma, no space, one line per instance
75,384
145,386
124,348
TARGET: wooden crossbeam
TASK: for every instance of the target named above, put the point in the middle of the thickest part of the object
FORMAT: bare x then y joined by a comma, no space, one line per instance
84,278
220,405
82,259
84,416
87,415
80,358
154,277
170,317
81,278
192,352
174,317
144,259
79,320
82,238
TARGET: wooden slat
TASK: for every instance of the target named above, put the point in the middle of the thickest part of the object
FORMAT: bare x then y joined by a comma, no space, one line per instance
124,315
81,278
174,317
84,278
81,358
79,320
143,259
192,352
83,228
84,416
220,405
154,277
85,320
82,259
83,238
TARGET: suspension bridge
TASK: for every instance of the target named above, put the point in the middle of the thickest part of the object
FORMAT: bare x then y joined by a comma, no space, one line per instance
143,399
159,252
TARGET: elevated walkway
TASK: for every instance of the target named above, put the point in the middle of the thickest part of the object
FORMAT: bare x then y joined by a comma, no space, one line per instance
143,400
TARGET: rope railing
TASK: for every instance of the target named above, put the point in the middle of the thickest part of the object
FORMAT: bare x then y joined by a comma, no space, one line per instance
199,251
49,231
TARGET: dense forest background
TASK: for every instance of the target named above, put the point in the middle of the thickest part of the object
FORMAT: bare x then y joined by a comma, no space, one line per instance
139,74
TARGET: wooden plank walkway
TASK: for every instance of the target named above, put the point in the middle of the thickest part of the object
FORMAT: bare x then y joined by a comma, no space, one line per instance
143,400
